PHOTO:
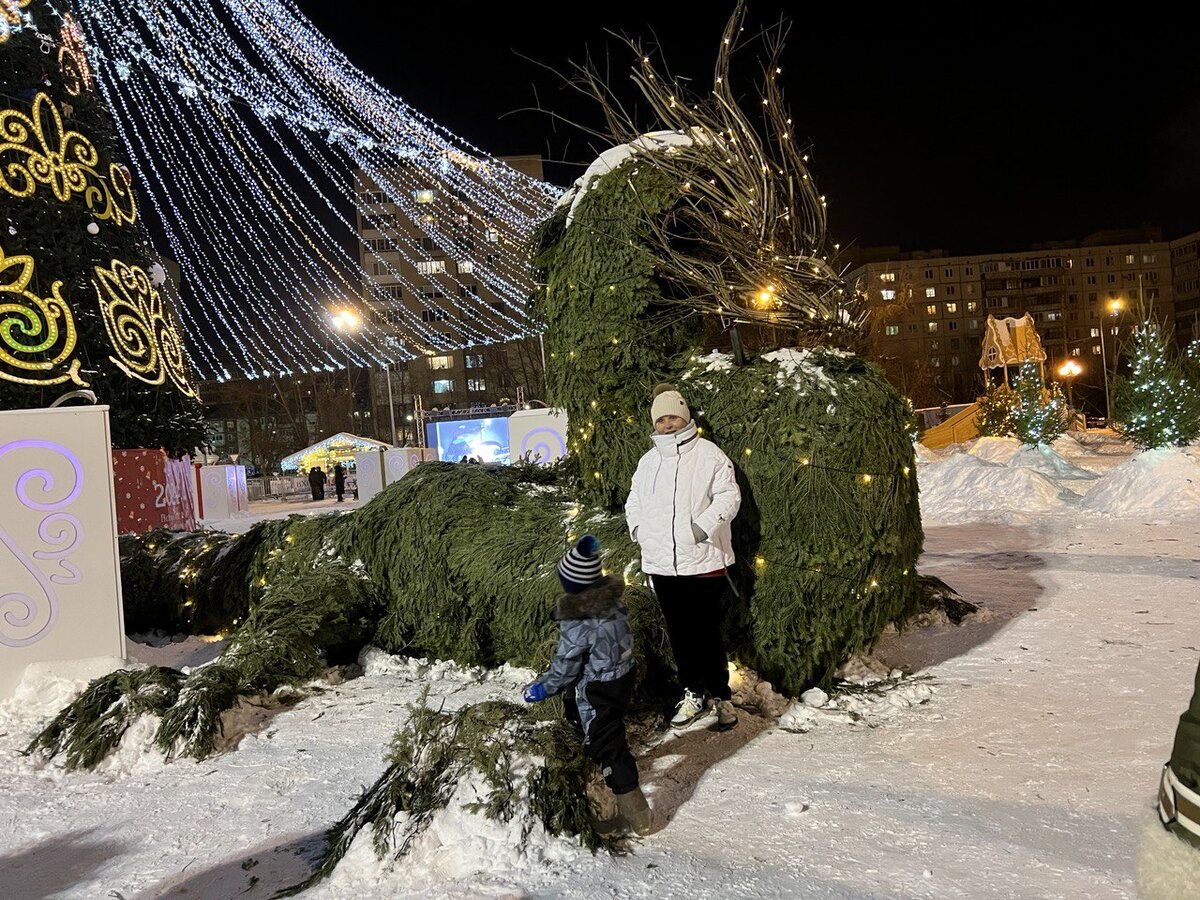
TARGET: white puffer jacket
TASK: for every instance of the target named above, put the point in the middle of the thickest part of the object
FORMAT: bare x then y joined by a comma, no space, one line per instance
683,480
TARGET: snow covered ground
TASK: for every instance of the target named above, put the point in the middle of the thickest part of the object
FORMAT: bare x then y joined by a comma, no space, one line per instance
1024,766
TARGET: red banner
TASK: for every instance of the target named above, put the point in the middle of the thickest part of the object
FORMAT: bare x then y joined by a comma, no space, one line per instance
152,492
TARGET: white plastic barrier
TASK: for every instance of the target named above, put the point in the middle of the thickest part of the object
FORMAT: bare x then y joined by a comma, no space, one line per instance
60,578
376,469
540,433
221,492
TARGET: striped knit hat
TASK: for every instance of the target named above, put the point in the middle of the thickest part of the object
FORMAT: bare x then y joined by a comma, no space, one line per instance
580,568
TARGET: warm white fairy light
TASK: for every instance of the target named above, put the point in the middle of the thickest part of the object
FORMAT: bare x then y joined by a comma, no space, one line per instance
249,125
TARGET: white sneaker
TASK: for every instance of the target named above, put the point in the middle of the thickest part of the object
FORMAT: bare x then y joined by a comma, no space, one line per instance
688,710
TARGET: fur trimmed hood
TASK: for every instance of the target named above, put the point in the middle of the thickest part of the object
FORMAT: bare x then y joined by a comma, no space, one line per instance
596,602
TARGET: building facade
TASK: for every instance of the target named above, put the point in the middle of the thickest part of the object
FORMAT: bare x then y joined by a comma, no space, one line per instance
430,293
929,309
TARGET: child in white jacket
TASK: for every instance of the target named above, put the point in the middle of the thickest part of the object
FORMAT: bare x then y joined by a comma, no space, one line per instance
681,504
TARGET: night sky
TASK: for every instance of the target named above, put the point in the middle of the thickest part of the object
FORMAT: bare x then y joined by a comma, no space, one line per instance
930,127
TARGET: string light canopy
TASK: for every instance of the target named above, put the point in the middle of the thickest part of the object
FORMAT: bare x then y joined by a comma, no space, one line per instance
255,143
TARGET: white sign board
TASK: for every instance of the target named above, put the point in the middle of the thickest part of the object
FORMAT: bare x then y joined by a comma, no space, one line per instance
60,576
540,433
221,492
376,470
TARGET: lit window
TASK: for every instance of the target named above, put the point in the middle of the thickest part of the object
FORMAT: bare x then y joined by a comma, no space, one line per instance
972,305
1129,257
424,196
930,292
931,327
1095,332
474,360
466,267
1074,351
954,360
951,307
888,295
891,329
441,362
476,384
1148,257
443,386
432,267
936,362
491,235
973,324
1095,349
888,276
931,309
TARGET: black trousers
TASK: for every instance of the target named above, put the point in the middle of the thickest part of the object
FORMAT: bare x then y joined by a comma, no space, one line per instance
605,740
691,604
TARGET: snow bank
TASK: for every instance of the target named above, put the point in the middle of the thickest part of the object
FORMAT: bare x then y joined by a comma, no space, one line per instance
925,455
965,488
376,662
47,688
869,704
462,853
1161,484
999,450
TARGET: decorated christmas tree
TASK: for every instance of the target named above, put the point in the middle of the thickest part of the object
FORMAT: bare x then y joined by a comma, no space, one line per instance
83,298
1040,413
997,411
1157,404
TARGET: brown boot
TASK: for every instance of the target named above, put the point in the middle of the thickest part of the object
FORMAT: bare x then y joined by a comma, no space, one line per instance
633,808
726,715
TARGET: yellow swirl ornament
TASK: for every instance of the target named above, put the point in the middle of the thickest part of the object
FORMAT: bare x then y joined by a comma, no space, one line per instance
35,150
147,344
10,16
32,326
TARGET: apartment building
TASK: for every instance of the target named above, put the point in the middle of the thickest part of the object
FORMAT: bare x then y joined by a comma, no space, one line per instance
929,309
428,293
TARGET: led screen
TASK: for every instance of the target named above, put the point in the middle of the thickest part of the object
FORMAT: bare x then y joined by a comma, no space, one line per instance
482,439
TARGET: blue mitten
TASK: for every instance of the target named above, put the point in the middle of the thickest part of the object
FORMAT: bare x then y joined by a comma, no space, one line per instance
535,693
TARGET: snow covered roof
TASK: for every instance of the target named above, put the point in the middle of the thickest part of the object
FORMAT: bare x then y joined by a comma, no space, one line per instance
1010,342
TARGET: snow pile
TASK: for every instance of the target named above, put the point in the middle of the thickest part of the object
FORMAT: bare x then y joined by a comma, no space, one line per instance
376,663
869,703
716,361
47,688
965,488
925,455
1000,450
1162,484
1051,464
461,853
799,367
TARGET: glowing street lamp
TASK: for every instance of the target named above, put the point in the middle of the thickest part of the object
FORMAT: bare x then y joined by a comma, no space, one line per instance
1068,372
345,321
1114,310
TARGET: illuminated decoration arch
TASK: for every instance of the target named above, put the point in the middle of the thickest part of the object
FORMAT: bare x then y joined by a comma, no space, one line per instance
33,327
340,447
147,345
32,154
261,148
11,17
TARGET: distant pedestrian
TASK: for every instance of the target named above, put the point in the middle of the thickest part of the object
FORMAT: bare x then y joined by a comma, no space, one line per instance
316,481
339,481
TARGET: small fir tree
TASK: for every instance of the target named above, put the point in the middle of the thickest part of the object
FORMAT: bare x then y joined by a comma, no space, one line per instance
1158,403
997,408
1040,414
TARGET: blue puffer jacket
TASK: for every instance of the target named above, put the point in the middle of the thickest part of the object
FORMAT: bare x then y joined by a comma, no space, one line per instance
594,644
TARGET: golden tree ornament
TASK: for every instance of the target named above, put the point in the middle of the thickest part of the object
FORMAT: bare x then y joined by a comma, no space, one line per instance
72,58
37,335
10,16
37,150
146,341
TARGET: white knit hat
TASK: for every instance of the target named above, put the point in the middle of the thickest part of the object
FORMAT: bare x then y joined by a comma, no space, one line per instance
668,402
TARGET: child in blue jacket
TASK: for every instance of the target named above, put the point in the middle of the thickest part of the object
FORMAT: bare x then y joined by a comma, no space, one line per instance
593,670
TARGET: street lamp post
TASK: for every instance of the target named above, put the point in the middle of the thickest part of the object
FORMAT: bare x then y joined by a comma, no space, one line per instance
1068,372
347,320
1114,307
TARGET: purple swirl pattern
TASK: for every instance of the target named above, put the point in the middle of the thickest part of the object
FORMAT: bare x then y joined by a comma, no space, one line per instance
60,531
543,443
